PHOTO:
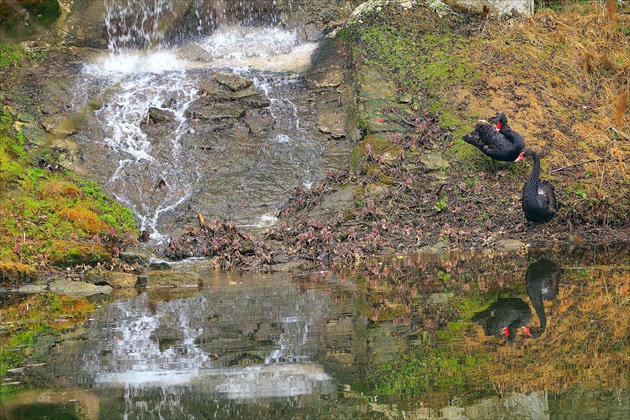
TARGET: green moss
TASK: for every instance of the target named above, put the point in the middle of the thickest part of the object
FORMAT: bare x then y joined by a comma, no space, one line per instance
68,254
11,55
424,57
40,208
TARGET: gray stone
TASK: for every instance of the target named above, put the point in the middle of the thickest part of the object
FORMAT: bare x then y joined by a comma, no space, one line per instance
330,78
115,279
207,110
135,256
510,244
333,122
33,288
312,32
78,288
434,161
157,115
259,124
232,81
173,279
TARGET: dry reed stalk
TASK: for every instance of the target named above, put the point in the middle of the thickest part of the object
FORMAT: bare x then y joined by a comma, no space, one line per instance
611,11
621,104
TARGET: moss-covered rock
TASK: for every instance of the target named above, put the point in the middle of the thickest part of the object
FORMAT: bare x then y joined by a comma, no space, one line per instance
69,254
15,273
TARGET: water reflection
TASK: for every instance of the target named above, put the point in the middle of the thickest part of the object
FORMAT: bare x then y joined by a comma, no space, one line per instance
505,316
392,340
542,280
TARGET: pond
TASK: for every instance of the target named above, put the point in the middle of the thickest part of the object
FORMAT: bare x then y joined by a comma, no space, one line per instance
483,336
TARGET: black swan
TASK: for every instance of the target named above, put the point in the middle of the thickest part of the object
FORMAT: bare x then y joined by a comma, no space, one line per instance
539,198
542,280
504,317
499,141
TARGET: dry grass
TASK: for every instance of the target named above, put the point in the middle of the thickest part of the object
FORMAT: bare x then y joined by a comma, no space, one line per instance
563,79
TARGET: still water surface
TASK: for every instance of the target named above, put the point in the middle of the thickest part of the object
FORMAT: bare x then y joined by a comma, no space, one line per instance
459,336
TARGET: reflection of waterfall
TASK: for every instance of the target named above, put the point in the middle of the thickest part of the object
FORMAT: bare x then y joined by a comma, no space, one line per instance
245,344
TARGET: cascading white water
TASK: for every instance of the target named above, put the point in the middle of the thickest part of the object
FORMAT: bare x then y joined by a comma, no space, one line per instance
159,180
132,23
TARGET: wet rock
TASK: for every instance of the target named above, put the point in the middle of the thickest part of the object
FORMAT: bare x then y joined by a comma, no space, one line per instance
510,244
162,265
259,124
115,279
193,52
173,279
331,78
135,256
157,115
333,122
205,109
58,124
78,289
312,32
232,81
252,98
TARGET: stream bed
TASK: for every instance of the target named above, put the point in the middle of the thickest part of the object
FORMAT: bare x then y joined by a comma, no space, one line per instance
485,336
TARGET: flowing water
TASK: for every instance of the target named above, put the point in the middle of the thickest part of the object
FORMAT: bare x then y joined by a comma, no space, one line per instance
486,336
168,175
407,337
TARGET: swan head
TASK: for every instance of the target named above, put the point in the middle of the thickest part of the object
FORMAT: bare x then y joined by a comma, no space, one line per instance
501,120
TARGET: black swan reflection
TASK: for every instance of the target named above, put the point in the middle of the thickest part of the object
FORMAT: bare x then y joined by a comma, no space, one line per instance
542,280
504,317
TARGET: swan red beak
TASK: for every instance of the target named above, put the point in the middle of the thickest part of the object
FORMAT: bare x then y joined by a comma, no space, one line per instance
520,156
527,331
499,125
506,332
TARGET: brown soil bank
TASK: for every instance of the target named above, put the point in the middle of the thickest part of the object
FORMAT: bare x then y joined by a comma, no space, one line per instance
423,80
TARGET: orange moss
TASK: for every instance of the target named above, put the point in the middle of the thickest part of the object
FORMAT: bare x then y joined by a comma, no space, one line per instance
16,273
83,219
58,188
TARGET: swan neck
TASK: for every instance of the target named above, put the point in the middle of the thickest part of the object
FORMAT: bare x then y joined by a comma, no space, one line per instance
536,169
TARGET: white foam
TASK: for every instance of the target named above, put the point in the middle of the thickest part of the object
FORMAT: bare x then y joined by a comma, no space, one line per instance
119,65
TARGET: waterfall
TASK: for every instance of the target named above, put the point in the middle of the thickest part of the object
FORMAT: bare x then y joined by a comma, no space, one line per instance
161,52
150,23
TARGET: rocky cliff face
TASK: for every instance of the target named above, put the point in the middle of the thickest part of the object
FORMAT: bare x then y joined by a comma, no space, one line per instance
115,24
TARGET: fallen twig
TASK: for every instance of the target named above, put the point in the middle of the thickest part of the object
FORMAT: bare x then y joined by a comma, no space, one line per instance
619,133
575,164
404,120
